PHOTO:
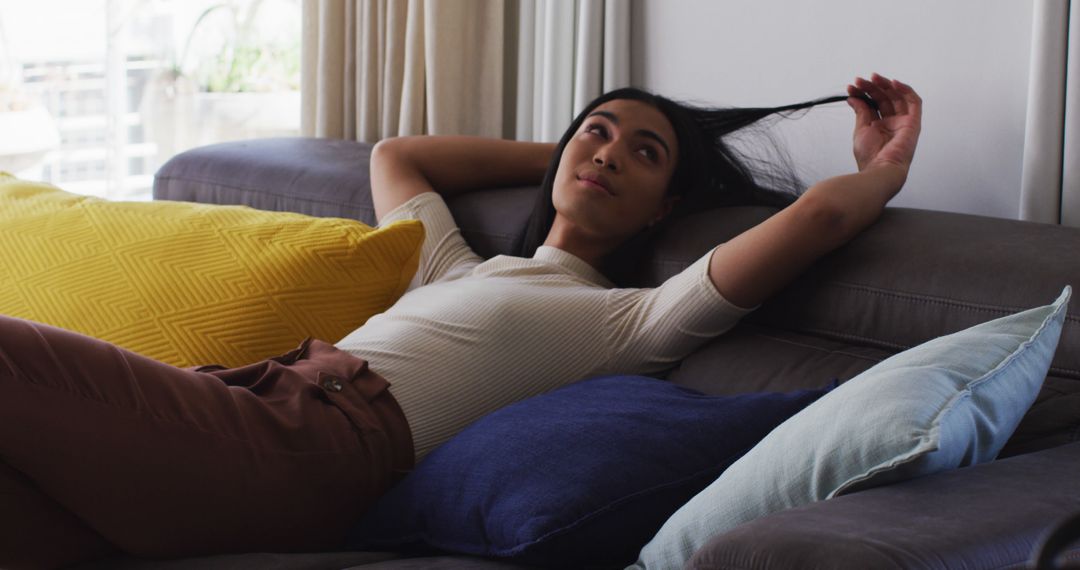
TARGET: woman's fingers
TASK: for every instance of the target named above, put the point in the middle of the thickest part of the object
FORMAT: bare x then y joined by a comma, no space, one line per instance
914,102
864,114
893,98
891,90
879,96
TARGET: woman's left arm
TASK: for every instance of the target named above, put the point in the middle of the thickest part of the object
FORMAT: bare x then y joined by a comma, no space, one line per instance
759,262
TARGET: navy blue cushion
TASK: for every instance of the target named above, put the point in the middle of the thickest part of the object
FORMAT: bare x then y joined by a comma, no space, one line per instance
585,474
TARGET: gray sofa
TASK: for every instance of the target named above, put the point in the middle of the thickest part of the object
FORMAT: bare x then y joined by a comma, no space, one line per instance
914,275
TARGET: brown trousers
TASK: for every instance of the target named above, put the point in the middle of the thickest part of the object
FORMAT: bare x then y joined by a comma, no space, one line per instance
102,449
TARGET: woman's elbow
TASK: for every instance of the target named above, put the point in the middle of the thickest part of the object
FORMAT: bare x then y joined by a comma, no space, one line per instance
386,147
823,215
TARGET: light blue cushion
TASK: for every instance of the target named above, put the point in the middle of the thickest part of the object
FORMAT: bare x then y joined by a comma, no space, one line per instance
947,403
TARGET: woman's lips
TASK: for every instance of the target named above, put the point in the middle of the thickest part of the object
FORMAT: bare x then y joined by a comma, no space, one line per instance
594,185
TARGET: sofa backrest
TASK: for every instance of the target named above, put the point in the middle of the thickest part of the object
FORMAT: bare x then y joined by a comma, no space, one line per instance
912,276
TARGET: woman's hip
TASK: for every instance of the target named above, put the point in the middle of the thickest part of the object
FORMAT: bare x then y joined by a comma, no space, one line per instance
282,453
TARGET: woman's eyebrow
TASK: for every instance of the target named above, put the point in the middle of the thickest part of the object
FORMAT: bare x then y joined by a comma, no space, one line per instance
644,132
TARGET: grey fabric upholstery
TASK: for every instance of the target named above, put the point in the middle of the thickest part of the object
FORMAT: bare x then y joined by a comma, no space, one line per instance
924,523
914,275
303,561
259,560
319,177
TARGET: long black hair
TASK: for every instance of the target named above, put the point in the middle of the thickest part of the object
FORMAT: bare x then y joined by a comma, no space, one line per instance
709,172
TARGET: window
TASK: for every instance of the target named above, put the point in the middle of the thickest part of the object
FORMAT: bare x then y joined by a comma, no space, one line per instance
96,94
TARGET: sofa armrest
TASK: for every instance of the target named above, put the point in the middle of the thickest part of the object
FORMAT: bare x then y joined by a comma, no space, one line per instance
991,515
313,176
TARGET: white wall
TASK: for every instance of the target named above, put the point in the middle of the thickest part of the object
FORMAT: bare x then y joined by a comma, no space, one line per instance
968,59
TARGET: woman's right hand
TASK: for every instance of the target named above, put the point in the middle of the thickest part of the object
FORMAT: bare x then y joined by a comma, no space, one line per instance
887,136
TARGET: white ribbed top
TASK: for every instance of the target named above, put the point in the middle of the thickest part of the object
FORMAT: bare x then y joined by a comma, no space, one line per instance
471,336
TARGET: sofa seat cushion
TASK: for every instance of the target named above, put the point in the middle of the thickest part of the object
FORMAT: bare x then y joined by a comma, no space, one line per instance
300,561
992,515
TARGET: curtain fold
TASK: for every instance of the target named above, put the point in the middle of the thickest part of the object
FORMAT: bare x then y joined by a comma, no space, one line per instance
374,69
465,66
1050,184
570,52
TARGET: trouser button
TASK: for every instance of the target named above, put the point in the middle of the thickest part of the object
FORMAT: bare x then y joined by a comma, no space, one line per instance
333,384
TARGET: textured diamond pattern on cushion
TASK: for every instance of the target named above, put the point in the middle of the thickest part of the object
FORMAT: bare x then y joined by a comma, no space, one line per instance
193,284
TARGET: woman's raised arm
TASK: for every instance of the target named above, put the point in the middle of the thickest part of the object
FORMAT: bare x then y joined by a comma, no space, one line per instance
402,167
759,262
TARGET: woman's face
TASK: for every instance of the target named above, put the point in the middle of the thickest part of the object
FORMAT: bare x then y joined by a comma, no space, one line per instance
628,146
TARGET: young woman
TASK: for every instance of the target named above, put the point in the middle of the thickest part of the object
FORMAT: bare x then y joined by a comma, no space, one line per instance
102,449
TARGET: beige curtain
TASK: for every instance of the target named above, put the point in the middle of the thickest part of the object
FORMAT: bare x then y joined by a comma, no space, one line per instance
570,52
1050,185
373,69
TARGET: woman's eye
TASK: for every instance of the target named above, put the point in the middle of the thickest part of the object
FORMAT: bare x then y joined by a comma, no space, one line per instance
595,127
650,153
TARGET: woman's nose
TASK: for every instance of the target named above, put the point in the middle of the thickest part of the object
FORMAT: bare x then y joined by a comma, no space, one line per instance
603,159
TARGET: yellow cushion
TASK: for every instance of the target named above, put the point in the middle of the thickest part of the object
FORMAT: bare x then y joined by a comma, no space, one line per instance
193,284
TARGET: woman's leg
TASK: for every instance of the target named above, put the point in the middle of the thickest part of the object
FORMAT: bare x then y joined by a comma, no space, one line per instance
163,461
36,532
